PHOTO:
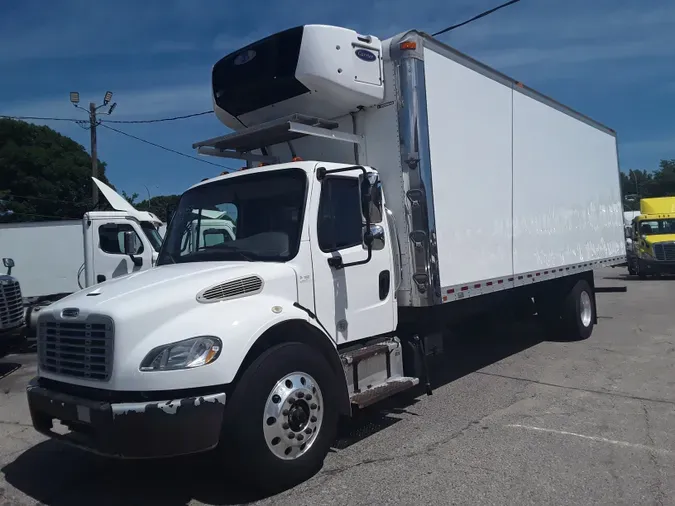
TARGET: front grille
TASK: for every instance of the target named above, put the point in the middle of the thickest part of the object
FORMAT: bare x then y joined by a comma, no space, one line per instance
82,349
11,304
665,251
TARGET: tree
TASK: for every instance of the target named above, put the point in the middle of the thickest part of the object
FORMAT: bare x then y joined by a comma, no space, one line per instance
158,205
43,175
637,184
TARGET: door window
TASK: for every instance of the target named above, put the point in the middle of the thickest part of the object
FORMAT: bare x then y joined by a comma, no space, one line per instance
340,223
111,238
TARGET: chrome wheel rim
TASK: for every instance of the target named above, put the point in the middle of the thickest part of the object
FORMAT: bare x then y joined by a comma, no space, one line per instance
586,309
293,416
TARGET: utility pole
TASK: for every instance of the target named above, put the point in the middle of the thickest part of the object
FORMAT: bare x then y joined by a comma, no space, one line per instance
94,155
93,111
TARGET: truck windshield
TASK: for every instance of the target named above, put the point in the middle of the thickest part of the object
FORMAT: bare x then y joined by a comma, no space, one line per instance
152,234
252,217
657,227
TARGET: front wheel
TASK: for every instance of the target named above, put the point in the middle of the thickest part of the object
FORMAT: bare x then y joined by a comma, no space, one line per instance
282,418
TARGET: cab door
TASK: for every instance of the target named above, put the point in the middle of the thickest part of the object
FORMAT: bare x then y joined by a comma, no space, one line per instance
110,256
357,301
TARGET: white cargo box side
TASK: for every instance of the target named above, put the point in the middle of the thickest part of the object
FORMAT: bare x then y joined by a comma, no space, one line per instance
537,184
48,255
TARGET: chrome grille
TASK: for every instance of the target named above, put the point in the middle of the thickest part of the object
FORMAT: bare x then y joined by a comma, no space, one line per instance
665,251
11,303
81,348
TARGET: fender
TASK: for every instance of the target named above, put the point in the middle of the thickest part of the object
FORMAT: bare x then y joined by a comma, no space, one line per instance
299,326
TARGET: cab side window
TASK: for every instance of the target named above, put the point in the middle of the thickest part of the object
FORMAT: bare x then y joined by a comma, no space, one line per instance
111,238
340,223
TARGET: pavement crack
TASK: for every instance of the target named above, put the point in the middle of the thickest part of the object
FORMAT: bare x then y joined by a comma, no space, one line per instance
428,449
579,389
18,424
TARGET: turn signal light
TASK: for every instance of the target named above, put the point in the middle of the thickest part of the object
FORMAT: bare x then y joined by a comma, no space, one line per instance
408,45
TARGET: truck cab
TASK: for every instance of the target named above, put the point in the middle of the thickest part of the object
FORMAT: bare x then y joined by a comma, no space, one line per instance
653,238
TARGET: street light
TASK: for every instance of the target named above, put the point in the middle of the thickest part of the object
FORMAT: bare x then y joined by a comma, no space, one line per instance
93,122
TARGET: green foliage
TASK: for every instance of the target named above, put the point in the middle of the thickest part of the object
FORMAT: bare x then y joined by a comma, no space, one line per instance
43,175
637,184
130,198
157,205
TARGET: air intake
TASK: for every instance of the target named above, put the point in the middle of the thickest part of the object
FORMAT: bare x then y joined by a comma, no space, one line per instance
229,290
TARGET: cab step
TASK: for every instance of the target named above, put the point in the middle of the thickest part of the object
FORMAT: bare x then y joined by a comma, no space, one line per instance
380,392
375,372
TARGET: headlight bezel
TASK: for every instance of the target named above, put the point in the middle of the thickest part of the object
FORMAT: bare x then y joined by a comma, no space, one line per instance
191,360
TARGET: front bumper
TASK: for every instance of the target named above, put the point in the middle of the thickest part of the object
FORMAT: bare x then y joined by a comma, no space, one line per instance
130,429
657,266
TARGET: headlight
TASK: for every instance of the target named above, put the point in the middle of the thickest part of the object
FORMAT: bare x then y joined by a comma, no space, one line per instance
186,354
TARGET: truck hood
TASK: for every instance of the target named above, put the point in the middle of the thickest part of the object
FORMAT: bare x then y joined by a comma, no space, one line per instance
173,285
656,239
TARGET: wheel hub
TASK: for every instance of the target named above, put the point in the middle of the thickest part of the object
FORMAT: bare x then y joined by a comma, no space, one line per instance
298,416
293,415
586,309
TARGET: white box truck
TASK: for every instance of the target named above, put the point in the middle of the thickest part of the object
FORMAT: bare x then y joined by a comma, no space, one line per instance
52,259
348,257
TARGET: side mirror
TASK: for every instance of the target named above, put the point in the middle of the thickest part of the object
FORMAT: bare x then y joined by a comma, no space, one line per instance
9,263
130,243
375,237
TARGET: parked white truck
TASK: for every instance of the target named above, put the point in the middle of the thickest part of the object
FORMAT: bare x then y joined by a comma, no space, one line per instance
346,264
52,259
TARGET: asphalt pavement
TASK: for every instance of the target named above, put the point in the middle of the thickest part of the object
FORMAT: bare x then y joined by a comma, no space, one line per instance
515,418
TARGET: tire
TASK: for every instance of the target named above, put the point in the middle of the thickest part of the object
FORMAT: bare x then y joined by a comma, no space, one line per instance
578,312
255,434
639,271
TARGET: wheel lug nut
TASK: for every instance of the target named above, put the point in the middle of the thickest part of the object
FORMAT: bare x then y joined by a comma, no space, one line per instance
308,430
300,437
285,412
308,397
313,419
301,395
276,399
313,406
291,435
285,426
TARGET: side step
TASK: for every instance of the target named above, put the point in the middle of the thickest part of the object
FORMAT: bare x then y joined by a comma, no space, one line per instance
380,392
375,372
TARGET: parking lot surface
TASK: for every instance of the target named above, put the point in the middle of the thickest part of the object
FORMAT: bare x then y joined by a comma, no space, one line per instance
515,418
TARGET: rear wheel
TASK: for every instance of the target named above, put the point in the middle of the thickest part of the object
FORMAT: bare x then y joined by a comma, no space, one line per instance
578,311
282,418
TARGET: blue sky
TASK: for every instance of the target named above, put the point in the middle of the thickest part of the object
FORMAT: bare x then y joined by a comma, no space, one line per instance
613,60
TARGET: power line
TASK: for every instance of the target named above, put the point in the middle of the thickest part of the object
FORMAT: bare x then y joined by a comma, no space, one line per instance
481,15
40,118
174,118
165,148
139,121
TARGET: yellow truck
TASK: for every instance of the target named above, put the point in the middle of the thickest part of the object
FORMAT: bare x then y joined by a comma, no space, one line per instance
652,234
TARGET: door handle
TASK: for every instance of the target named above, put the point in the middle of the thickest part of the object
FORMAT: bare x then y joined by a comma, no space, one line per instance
384,284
